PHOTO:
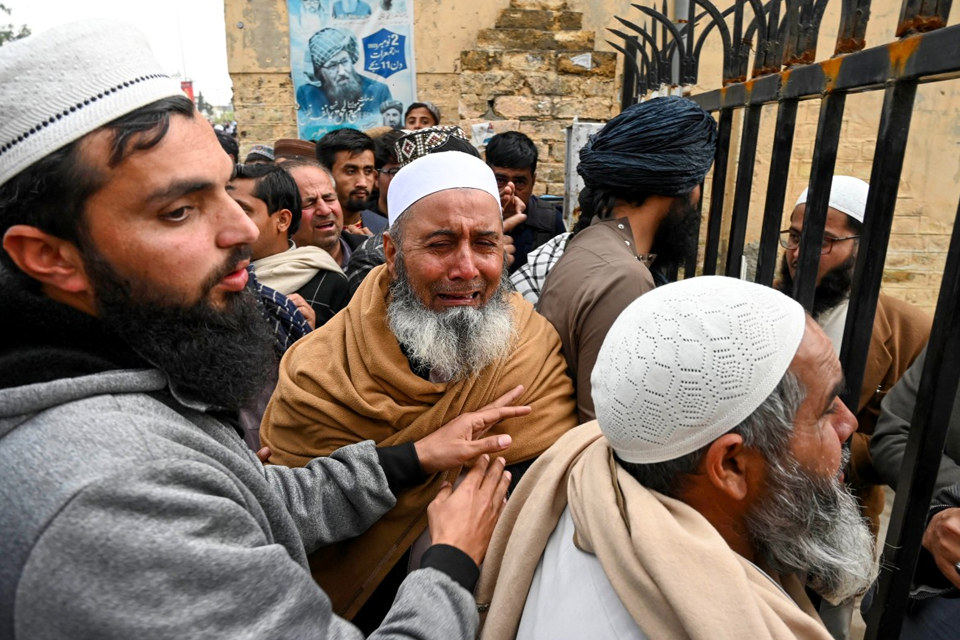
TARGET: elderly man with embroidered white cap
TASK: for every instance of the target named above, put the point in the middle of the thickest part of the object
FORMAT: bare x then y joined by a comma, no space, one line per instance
709,481
131,507
900,330
433,332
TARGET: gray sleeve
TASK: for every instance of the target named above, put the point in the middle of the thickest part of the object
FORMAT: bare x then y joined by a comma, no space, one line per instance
335,497
177,550
889,440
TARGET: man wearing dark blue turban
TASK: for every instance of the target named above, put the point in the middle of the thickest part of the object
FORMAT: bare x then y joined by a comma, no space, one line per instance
642,174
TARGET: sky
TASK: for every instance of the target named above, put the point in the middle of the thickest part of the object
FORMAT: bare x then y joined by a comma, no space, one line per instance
187,36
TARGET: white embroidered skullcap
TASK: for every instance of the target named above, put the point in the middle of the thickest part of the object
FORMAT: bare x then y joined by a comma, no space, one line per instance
59,85
436,172
847,194
689,361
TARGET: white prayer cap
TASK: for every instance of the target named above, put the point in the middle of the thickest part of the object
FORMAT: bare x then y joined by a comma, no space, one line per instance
436,172
689,361
59,85
847,194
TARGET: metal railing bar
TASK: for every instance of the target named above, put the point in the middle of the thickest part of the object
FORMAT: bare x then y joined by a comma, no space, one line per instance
815,216
776,191
717,188
934,55
743,189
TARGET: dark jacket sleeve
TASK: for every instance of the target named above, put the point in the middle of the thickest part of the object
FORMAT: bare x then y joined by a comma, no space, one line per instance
328,293
889,440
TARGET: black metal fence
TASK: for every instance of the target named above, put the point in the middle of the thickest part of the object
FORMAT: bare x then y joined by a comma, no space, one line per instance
781,38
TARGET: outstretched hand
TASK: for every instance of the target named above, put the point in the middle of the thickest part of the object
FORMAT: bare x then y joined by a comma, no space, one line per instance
465,518
461,439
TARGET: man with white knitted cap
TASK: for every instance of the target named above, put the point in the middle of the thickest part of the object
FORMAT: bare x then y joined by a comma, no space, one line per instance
131,507
900,330
710,480
433,332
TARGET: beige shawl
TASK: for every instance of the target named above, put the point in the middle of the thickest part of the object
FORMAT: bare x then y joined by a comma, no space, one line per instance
289,270
673,572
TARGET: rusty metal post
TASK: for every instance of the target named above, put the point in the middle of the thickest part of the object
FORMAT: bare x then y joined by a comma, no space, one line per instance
744,189
717,188
776,190
920,16
854,16
815,216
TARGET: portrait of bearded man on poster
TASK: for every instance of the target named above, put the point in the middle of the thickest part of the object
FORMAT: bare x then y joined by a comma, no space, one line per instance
336,92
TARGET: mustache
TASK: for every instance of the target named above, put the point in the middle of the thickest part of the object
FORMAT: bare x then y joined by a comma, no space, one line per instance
455,289
232,264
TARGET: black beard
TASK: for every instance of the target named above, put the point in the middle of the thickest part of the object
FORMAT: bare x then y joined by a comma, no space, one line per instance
361,204
676,238
347,94
833,289
220,357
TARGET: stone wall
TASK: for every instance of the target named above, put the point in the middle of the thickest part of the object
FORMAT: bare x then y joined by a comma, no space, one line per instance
534,72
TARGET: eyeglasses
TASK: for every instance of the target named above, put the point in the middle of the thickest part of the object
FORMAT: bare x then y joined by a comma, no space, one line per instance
790,240
390,172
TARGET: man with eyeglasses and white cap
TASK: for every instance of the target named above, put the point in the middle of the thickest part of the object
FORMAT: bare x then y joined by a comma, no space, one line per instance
435,330
900,332
709,481
131,507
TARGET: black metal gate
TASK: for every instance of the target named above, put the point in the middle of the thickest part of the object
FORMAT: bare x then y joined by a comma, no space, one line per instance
781,38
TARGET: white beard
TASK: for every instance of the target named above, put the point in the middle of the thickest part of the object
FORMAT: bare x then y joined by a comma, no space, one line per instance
813,525
454,344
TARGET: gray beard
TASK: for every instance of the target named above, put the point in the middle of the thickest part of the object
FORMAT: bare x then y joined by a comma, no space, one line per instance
455,344
810,524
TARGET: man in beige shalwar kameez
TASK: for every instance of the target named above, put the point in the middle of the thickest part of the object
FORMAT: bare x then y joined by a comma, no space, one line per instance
709,482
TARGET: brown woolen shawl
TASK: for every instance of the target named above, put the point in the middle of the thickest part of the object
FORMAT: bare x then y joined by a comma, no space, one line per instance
348,381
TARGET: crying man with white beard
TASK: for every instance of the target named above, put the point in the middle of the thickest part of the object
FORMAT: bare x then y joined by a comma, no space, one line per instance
435,331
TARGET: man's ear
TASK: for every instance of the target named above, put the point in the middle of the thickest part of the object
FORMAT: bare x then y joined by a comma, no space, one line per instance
284,218
54,262
390,253
733,468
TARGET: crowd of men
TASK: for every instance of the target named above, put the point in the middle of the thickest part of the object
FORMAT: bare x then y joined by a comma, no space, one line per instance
370,386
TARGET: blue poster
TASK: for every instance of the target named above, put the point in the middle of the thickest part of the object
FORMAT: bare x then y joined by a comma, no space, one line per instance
352,63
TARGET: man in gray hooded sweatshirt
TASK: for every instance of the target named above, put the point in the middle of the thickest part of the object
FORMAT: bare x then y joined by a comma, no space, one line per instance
130,507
